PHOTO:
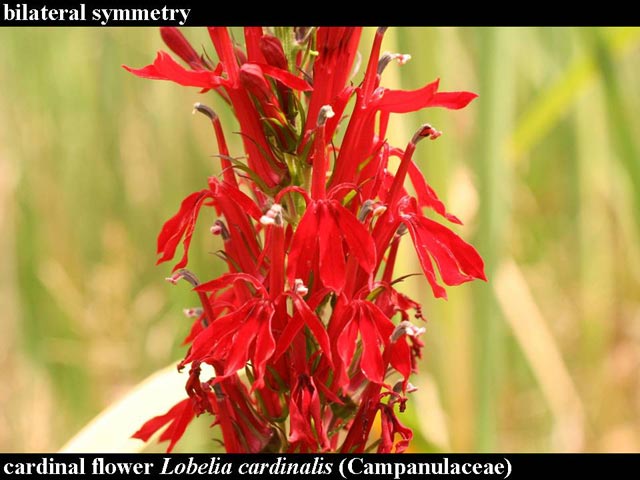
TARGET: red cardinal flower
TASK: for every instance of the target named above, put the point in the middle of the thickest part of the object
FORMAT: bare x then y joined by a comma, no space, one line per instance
308,335
324,230
364,319
242,335
305,405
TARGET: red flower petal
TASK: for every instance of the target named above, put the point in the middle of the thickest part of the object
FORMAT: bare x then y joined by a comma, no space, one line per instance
238,196
371,362
294,325
452,100
286,78
166,68
382,323
227,279
264,347
357,237
427,197
181,224
303,242
315,325
457,261
420,244
347,336
331,253
404,101
178,418
338,105
196,328
400,357
239,353
218,335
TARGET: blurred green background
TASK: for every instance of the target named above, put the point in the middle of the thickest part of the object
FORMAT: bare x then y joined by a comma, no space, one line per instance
543,168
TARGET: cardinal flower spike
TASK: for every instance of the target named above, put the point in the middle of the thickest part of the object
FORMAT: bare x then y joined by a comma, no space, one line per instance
306,335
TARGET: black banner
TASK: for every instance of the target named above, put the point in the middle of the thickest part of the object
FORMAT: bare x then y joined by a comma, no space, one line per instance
189,13
327,466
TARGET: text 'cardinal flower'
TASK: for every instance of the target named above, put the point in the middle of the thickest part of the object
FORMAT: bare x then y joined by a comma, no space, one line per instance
307,337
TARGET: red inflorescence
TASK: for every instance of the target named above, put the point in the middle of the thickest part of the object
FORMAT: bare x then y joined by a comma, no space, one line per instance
307,335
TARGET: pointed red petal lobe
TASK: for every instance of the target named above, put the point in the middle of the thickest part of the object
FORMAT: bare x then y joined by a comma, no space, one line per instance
239,197
149,72
166,68
181,224
382,323
332,263
293,326
178,418
457,261
338,105
427,197
404,101
357,237
265,346
371,362
346,344
227,279
315,325
286,78
420,244
401,358
303,244
242,341
452,100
